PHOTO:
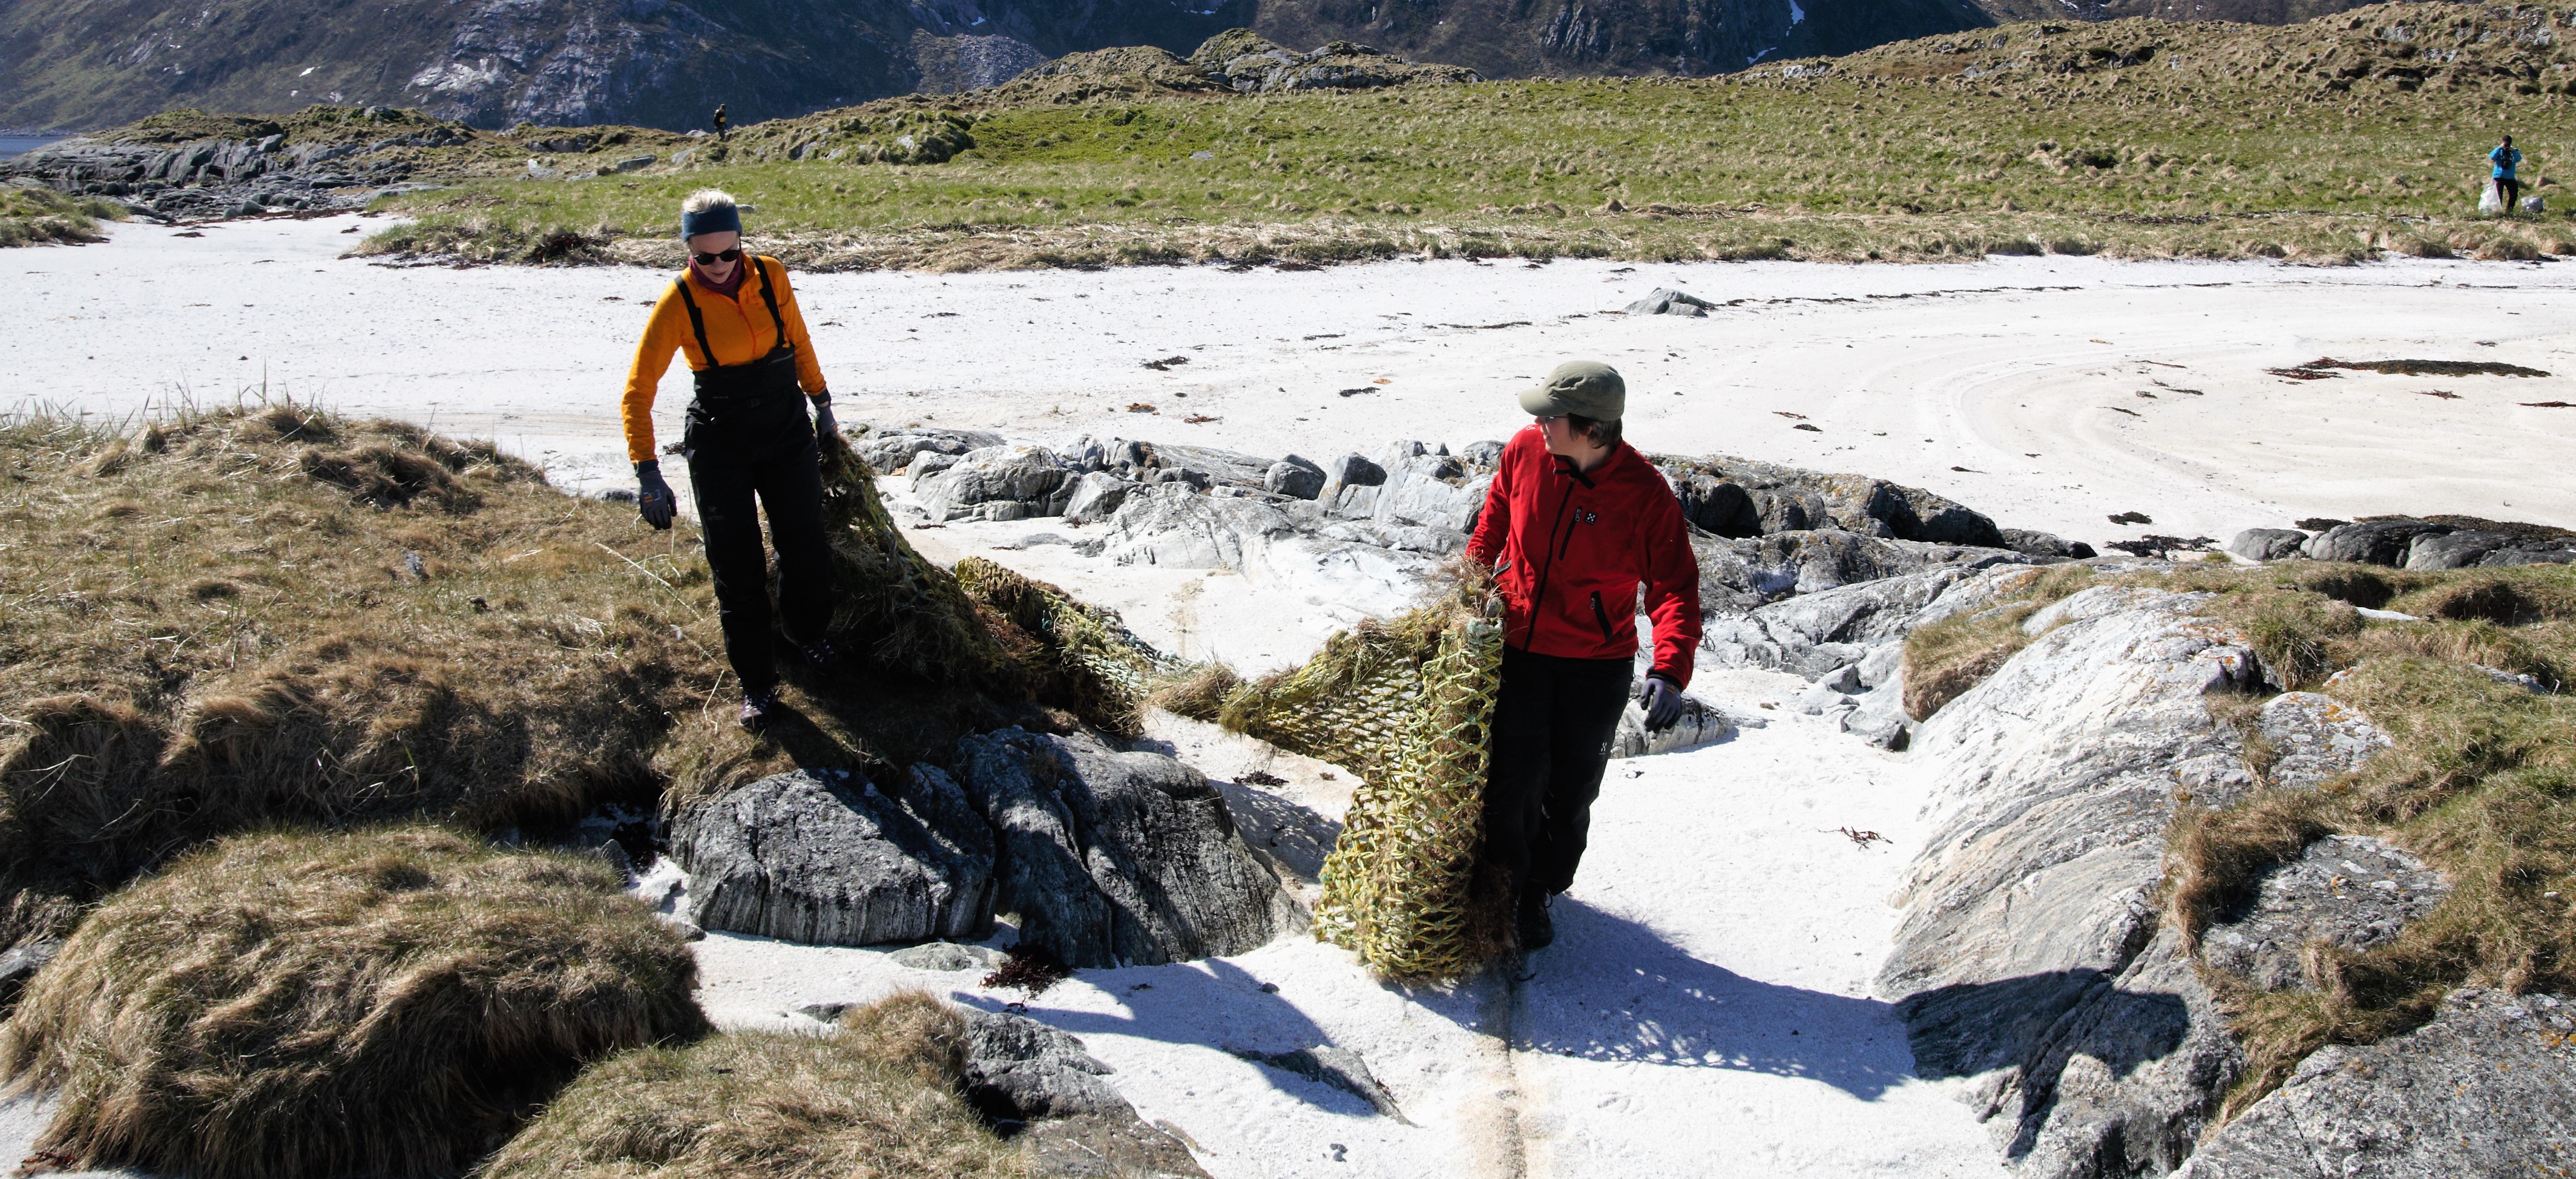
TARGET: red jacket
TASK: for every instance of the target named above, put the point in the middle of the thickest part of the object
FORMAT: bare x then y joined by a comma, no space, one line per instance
1570,549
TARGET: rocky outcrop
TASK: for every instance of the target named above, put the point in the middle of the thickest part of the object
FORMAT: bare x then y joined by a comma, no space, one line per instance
1040,1084
2429,543
2348,891
2487,1088
1246,62
2267,544
2315,738
261,168
1114,858
2029,958
830,859
1107,857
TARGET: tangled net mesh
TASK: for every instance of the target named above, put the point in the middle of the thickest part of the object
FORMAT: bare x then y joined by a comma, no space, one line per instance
910,613
1083,659
1408,704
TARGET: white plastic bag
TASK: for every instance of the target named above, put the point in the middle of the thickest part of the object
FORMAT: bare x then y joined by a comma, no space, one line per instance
2490,202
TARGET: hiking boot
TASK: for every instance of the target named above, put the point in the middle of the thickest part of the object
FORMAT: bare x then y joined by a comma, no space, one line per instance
819,654
758,708
1533,930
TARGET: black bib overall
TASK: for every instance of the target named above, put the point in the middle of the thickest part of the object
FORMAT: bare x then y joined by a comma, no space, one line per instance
747,438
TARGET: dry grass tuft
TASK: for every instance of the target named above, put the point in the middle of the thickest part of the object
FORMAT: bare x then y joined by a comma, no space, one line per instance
384,1003
230,621
2481,782
879,1099
1944,659
1199,695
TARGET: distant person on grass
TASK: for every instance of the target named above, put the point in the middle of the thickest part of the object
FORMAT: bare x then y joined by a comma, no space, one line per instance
1574,522
2508,187
746,438
720,121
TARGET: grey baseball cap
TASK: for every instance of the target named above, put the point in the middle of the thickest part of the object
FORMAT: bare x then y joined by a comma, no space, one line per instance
1587,388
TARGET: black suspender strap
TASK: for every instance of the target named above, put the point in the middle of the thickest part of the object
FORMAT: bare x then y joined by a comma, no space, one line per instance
769,295
697,322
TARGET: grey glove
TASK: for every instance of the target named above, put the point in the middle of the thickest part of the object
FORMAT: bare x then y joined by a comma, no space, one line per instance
653,497
1662,701
824,426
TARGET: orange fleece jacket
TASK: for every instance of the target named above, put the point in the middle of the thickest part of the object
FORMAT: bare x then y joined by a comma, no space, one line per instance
738,328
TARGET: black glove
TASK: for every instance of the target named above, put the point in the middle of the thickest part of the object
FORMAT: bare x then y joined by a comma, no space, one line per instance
653,497
1662,701
824,426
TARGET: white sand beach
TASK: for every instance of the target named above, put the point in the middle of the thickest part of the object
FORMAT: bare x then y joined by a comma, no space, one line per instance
1705,1009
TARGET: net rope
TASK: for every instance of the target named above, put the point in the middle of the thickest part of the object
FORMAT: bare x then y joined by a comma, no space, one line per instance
1408,705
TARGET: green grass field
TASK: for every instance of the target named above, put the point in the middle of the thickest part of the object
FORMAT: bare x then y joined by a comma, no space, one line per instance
2138,138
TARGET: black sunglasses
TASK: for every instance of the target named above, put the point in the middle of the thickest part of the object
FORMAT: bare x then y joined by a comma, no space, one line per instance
712,259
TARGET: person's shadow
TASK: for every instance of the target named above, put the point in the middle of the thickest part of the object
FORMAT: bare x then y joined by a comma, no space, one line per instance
1613,989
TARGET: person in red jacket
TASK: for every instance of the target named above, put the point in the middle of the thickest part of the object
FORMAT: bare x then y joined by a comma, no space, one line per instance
1574,522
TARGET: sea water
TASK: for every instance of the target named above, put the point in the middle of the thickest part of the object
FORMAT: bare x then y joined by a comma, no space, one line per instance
12,145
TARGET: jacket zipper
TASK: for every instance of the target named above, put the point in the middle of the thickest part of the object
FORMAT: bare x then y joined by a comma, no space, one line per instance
1539,598
1601,616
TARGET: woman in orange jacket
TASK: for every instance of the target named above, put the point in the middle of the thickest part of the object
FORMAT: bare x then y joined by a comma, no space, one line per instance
747,438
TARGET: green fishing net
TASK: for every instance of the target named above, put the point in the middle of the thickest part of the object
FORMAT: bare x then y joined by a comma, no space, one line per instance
1407,704
1082,658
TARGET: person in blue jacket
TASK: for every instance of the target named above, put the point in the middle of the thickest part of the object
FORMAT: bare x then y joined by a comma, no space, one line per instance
2504,157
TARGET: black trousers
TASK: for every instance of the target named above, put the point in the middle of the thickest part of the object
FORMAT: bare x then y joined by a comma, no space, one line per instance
1552,730
760,451
2510,190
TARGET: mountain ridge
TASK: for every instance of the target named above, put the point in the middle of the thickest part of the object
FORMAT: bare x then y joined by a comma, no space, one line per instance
88,64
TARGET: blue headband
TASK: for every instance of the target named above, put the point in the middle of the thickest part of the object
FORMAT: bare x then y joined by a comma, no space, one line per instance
720,219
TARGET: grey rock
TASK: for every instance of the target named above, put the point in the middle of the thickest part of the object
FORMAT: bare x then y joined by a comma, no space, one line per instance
838,861
1670,302
20,965
2510,557
1097,496
2315,738
1346,472
1882,667
1481,456
2486,1088
1746,573
1885,727
1023,1070
1699,723
1028,476
947,957
1090,1147
1113,857
892,451
2520,679
1818,700
2029,956
1340,1068
1294,477
2370,542
1841,679
1168,524
1834,626
1719,507
825,1012
2454,550
2350,891
2267,544
1791,499
2041,545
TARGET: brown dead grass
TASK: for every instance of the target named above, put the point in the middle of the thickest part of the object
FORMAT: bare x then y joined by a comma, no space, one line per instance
232,620
381,1003
879,1099
2481,782
1946,658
